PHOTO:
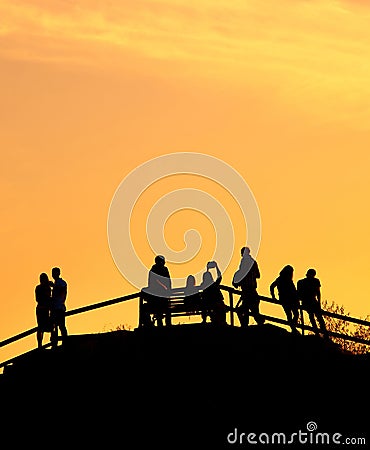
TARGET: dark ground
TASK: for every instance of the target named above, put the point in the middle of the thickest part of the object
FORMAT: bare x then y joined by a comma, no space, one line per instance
188,386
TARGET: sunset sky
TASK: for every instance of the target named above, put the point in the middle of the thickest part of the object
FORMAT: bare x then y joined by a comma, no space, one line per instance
91,90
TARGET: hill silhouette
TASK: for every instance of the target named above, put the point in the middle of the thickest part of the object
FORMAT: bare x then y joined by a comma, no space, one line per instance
185,386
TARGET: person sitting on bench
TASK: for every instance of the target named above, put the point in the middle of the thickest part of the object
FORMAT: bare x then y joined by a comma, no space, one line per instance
212,298
192,297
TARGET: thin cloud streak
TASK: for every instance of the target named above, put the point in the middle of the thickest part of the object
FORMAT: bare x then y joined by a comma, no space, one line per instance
202,31
319,47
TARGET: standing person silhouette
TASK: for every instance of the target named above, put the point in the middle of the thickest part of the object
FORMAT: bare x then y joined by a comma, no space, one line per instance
159,289
287,295
43,299
58,307
309,292
246,278
212,298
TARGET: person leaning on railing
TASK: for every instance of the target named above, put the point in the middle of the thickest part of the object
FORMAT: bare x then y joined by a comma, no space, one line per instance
309,292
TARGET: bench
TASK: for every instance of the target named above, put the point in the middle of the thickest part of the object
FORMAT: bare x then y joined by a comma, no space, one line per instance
174,306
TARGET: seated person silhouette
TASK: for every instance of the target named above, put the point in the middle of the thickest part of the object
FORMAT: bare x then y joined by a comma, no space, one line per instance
157,292
212,298
310,295
287,295
192,299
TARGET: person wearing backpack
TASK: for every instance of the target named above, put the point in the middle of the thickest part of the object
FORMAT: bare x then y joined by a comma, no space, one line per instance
246,278
156,295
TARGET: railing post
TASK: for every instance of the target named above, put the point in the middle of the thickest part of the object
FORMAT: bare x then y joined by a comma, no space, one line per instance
168,317
302,320
141,301
231,304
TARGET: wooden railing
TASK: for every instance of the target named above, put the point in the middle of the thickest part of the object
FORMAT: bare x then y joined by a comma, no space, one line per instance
72,312
231,291
231,303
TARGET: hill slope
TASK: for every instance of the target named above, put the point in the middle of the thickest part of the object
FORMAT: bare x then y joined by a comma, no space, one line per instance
189,385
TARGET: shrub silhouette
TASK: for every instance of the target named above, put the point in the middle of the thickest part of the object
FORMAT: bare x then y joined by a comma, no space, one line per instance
348,328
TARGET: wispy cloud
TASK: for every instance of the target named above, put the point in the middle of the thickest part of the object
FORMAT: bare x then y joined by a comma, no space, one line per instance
194,30
319,46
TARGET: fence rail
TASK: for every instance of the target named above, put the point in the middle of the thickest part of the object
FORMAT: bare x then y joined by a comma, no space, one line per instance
72,312
325,313
231,292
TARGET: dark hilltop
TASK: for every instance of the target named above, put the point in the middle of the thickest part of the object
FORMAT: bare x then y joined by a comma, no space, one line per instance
185,386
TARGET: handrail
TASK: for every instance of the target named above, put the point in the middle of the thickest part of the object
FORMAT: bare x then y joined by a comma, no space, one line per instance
12,360
71,313
324,312
306,327
228,289
102,304
18,336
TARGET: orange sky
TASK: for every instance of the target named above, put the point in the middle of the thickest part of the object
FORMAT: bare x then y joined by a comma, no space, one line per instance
278,90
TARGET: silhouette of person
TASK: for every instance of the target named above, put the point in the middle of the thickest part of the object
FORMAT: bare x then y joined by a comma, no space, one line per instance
192,299
159,289
58,307
309,292
246,278
43,299
288,296
212,298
